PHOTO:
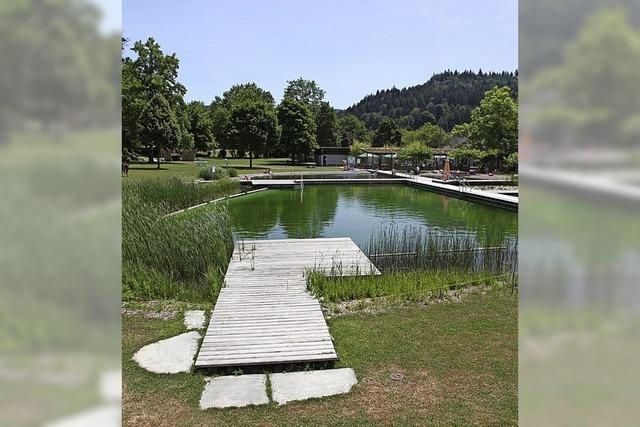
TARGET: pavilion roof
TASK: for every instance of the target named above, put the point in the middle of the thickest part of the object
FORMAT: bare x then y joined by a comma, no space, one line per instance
381,150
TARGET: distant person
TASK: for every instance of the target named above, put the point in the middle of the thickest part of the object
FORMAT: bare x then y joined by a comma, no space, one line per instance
125,168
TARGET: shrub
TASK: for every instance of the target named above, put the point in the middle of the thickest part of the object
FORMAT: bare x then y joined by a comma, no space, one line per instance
232,172
206,174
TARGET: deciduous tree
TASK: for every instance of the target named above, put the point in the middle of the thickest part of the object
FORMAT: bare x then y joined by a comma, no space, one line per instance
494,123
387,133
326,126
430,135
298,137
306,91
351,129
252,127
158,126
200,126
416,152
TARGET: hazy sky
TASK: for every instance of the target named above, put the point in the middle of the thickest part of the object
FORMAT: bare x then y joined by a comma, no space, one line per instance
350,47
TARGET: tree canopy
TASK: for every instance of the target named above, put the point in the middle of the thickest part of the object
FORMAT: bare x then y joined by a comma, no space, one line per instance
244,120
58,68
416,152
298,137
252,126
494,123
245,93
151,78
387,133
306,91
157,125
201,126
446,100
430,135
351,129
326,126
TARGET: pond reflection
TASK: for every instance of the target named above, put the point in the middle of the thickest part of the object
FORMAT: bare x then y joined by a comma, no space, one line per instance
358,211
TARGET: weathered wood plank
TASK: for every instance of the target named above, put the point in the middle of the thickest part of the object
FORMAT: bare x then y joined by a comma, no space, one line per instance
264,314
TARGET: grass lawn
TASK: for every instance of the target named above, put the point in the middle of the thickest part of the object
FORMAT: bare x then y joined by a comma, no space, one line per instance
459,362
190,169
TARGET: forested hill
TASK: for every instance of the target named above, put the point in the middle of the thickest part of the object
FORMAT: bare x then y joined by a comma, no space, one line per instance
446,100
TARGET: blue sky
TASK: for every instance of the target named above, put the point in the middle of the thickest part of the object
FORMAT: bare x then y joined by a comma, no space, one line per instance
350,47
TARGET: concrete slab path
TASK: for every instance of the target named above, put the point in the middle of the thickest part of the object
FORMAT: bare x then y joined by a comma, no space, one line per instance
169,356
232,391
290,386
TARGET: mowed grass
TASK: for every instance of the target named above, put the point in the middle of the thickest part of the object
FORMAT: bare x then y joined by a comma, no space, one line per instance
458,361
191,169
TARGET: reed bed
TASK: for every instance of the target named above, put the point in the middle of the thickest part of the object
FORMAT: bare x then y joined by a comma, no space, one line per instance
394,248
178,257
418,263
172,193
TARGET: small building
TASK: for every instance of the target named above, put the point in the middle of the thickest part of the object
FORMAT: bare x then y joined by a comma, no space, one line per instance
331,156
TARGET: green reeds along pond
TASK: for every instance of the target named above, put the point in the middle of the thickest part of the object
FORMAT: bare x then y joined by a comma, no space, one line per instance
362,211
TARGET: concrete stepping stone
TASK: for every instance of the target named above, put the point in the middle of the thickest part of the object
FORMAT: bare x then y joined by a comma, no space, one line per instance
235,391
290,386
194,319
169,356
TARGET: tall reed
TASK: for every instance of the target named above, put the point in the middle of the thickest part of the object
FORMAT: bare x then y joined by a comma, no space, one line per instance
394,248
172,193
182,256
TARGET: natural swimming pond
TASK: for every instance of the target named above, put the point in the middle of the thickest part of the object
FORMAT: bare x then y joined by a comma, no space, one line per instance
357,211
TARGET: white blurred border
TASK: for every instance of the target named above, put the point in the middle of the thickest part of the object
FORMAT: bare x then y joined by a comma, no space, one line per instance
579,205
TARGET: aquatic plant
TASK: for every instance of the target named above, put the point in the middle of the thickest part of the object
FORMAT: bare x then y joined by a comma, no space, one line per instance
172,193
393,248
182,256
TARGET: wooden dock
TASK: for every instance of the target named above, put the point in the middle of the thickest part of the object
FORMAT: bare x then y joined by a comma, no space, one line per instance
264,314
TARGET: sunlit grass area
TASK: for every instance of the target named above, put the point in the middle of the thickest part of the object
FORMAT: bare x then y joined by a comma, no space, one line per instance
191,169
458,362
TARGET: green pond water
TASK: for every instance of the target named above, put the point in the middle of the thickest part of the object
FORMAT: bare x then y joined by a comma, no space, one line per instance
358,211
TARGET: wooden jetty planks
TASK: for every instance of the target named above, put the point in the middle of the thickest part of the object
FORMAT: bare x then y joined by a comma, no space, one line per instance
264,314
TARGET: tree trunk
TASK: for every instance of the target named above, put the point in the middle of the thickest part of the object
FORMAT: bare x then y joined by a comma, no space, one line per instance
159,154
250,159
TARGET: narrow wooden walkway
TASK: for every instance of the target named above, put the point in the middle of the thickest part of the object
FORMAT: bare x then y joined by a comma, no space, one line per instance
264,315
